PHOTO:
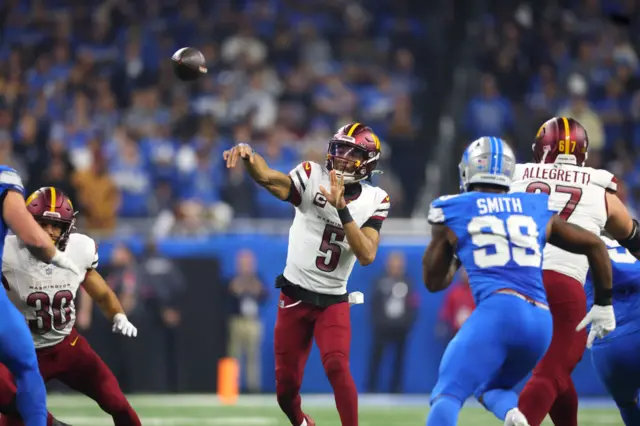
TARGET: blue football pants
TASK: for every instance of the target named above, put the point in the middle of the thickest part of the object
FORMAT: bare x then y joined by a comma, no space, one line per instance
18,353
500,343
617,366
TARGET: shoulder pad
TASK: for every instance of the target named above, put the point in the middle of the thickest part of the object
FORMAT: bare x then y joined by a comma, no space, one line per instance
436,211
10,177
604,179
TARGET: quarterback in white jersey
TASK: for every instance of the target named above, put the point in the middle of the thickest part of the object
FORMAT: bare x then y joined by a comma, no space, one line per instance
338,220
586,197
45,294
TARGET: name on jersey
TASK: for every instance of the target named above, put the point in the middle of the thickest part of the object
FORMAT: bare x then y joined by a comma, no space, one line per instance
47,285
499,205
573,176
329,221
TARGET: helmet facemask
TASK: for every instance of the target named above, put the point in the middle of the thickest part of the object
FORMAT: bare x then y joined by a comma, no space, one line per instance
66,226
349,160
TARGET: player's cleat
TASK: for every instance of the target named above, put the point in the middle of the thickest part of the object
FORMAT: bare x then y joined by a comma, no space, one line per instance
308,421
515,418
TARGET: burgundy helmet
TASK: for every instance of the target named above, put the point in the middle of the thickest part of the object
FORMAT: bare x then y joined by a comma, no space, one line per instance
561,140
354,152
50,205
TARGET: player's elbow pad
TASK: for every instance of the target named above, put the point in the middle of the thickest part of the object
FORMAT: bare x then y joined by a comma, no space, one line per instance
632,242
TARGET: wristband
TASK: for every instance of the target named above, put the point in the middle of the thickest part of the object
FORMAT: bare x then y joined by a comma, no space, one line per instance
345,215
604,299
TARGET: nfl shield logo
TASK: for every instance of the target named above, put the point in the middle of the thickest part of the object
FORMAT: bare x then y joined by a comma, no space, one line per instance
281,303
49,270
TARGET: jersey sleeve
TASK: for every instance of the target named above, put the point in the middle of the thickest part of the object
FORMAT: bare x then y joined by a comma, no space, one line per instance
439,209
380,213
10,180
300,181
605,179
95,258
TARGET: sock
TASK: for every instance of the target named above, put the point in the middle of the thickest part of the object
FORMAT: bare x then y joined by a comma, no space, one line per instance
499,402
564,411
304,422
444,411
536,399
290,402
344,389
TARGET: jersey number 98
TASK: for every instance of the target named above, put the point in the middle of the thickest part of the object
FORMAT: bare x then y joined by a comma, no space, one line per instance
495,248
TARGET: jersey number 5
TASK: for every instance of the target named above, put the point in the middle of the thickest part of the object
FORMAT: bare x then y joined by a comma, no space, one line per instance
59,306
575,194
331,250
493,239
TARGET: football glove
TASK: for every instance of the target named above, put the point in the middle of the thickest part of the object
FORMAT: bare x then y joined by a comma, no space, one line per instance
61,260
602,320
121,325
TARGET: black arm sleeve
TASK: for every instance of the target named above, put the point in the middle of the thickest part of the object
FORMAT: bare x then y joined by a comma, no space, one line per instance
373,223
632,242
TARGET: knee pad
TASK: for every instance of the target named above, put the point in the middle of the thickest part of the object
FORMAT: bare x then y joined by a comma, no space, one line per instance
335,363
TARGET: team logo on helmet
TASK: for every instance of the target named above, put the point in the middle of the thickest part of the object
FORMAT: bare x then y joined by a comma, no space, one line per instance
354,152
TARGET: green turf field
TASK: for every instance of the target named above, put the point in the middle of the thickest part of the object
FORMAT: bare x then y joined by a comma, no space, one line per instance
204,410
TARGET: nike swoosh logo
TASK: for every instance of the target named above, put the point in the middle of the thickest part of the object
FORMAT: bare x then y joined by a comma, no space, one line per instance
75,341
291,305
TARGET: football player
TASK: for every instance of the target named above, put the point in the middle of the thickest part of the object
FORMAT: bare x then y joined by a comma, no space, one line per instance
338,219
615,357
16,347
586,197
498,238
45,295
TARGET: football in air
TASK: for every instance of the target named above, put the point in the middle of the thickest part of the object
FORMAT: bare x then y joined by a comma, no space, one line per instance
188,64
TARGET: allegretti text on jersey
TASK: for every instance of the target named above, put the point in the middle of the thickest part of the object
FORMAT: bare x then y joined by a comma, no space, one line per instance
557,173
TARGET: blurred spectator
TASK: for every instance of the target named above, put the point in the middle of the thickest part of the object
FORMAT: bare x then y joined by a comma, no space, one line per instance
247,293
166,286
98,196
457,307
489,113
579,109
394,308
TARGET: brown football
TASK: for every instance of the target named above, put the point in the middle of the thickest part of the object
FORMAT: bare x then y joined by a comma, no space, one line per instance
188,64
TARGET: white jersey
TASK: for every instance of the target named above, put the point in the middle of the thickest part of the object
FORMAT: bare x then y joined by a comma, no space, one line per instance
578,195
319,258
44,293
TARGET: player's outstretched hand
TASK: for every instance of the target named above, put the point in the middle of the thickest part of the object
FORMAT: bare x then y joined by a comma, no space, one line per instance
121,325
602,320
335,196
242,150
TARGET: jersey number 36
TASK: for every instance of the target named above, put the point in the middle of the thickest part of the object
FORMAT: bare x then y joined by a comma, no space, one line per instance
517,241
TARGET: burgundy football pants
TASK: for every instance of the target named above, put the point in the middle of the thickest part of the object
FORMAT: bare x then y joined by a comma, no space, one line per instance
550,389
75,364
297,325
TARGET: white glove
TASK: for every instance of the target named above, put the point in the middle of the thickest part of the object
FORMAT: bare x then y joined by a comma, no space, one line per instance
122,326
602,320
61,260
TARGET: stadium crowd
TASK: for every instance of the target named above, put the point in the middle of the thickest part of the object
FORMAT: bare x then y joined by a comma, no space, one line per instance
89,103
573,58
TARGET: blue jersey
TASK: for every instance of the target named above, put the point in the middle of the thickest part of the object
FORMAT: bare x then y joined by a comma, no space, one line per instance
9,181
626,289
500,239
